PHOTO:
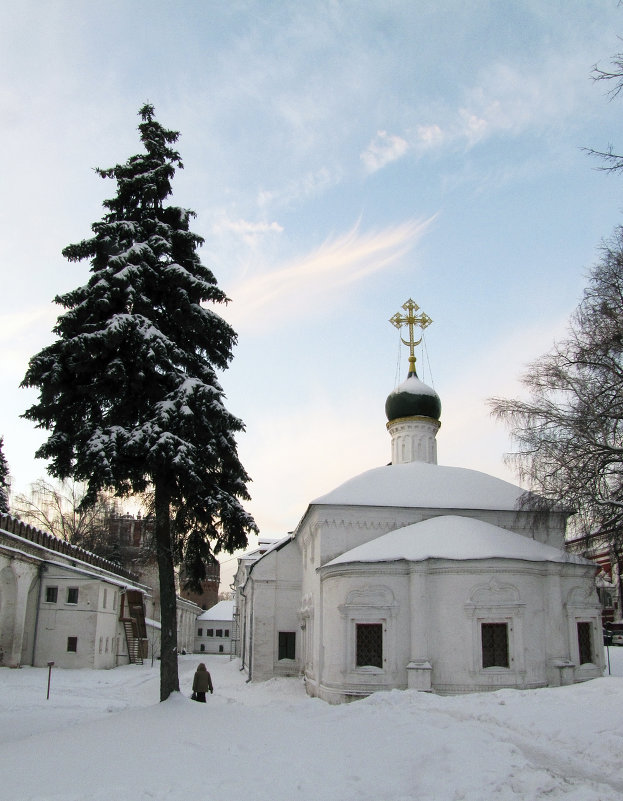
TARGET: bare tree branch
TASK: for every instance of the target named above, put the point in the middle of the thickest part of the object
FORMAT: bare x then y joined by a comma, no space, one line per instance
568,431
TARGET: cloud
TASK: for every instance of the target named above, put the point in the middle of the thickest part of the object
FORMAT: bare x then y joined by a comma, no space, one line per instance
248,231
429,136
506,99
509,99
336,263
383,149
309,185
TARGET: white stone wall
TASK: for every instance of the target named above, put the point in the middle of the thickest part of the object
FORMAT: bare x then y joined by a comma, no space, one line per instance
18,603
187,613
272,596
34,629
214,643
431,613
88,621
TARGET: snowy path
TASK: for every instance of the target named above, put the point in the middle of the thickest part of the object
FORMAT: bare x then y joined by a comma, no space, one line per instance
103,735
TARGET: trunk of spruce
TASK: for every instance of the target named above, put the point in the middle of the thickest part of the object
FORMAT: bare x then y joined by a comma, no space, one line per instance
169,681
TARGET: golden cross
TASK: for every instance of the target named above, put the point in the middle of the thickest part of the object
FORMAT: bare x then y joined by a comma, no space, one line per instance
410,319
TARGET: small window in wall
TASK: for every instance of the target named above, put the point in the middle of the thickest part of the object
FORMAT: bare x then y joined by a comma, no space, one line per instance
209,632
202,647
495,645
585,643
227,632
114,601
72,644
51,595
105,598
287,644
72,595
199,632
369,645
220,649
219,632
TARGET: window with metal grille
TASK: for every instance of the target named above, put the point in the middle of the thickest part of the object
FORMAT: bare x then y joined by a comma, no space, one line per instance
369,645
494,645
72,644
287,644
585,643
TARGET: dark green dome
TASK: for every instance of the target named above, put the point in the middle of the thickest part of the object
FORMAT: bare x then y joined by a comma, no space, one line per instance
413,398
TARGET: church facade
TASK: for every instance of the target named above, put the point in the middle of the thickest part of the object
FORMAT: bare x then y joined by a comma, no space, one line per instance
420,576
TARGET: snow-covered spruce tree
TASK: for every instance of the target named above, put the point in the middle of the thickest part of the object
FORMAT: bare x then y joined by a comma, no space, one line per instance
129,390
4,480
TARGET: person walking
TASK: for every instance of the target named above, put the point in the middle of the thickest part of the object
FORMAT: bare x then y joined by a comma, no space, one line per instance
202,683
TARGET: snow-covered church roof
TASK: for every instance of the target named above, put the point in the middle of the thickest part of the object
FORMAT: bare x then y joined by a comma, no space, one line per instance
454,537
419,484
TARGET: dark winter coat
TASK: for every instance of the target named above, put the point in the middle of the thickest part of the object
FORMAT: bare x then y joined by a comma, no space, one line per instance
202,683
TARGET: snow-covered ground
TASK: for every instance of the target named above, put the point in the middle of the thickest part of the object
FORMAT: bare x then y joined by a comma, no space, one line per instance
103,735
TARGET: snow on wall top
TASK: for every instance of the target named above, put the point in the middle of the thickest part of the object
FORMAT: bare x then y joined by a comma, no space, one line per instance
224,610
454,537
419,484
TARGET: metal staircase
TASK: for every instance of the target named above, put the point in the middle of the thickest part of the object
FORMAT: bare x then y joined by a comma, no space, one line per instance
135,627
135,650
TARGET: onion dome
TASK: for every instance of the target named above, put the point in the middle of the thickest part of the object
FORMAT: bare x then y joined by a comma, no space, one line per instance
413,398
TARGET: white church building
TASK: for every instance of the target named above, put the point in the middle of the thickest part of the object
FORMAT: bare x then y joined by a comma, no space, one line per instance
415,575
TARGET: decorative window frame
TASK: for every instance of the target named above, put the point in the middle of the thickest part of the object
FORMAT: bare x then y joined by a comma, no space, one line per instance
370,604
496,602
581,608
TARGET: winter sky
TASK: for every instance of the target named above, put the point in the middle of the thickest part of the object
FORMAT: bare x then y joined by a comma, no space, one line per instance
341,157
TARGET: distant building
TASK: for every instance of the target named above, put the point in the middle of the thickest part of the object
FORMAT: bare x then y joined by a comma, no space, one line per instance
208,597
131,543
214,629
609,579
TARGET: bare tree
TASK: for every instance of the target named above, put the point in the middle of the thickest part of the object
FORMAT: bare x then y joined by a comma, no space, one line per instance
613,162
569,433
58,508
